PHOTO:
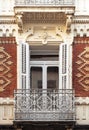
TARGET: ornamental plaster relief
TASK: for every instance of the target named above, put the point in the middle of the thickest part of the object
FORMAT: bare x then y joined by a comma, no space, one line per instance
41,24
44,34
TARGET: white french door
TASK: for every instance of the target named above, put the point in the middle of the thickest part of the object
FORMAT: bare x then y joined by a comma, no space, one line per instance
44,76
53,74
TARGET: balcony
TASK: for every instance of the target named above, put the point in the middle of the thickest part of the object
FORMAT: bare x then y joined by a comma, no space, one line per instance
43,2
44,105
43,10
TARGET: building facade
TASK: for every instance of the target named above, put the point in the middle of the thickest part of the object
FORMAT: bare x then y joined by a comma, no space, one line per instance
44,65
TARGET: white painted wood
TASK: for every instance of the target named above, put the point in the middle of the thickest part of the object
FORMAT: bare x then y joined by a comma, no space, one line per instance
63,66
25,67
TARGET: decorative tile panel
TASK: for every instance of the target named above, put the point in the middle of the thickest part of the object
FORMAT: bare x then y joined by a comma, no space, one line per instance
81,67
8,66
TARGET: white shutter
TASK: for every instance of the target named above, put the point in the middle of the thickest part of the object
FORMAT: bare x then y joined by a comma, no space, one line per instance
25,65
64,66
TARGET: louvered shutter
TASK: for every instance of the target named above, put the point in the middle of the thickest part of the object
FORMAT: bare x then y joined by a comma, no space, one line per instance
25,63
64,66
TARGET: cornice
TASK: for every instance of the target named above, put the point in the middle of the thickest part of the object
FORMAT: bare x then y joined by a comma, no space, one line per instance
7,22
81,16
81,19
80,22
7,19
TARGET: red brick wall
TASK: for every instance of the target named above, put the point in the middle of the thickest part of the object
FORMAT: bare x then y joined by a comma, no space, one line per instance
81,66
8,66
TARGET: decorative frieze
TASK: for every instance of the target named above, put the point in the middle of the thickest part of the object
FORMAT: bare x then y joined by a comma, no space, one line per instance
6,40
81,40
81,19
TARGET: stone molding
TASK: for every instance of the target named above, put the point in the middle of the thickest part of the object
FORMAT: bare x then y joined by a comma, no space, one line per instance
81,19
82,100
6,100
7,22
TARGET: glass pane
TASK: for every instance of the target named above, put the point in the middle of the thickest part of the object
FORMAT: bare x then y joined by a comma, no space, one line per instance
36,78
44,57
52,78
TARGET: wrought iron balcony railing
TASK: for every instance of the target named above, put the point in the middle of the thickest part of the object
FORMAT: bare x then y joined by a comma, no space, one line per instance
44,2
44,105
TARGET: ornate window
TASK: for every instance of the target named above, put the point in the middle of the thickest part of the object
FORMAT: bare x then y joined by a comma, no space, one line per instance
51,64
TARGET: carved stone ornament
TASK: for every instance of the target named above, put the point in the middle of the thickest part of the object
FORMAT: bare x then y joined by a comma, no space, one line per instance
19,22
68,24
42,35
